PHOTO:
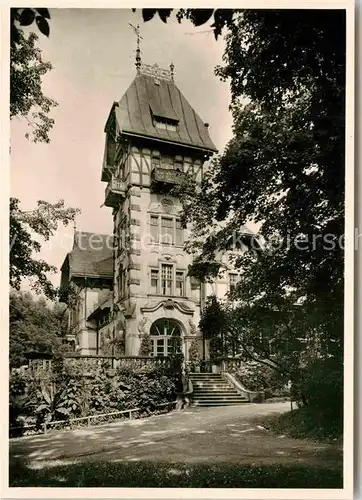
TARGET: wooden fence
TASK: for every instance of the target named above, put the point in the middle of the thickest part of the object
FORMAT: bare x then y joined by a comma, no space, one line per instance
89,418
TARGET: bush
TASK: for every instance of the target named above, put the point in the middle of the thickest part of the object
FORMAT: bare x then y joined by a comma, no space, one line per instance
257,377
67,392
146,345
304,423
320,389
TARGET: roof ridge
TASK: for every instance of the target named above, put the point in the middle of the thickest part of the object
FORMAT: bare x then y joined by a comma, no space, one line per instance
134,114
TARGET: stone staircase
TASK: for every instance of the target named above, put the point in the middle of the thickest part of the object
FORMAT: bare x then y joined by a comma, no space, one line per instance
212,390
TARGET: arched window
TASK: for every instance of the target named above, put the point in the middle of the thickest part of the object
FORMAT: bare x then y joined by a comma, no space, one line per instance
165,337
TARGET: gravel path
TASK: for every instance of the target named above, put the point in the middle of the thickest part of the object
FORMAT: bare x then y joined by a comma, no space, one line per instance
197,435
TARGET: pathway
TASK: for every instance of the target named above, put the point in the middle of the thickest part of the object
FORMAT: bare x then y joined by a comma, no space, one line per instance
197,435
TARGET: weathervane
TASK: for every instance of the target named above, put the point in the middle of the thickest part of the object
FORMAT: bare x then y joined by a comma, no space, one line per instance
136,29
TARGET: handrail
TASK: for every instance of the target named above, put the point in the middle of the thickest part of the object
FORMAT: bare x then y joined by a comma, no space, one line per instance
253,396
89,417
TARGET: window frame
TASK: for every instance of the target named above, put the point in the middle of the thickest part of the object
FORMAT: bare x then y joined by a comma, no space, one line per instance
175,220
166,340
232,284
164,124
173,287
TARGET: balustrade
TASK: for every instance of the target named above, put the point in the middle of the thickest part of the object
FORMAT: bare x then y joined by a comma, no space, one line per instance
115,191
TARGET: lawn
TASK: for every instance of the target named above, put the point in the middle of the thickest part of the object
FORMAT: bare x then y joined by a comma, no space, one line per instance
162,475
225,447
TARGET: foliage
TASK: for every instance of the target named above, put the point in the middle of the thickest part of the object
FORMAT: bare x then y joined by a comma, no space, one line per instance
306,422
22,400
35,326
42,222
213,326
146,345
77,389
26,17
282,171
26,95
322,384
53,403
257,377
194,351
221,17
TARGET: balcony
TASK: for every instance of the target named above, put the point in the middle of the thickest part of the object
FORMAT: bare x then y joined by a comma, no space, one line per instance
165,178
115,192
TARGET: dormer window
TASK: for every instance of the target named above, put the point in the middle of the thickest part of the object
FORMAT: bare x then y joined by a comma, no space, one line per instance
165,125
163,118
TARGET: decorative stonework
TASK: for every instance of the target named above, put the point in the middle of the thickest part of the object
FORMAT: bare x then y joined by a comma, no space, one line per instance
193,329
167,205
168,304
136,208
156,72
142,326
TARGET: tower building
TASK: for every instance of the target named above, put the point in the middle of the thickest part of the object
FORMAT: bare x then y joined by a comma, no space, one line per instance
153,137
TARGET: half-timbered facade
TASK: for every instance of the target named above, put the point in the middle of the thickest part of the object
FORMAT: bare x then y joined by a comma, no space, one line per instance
153,137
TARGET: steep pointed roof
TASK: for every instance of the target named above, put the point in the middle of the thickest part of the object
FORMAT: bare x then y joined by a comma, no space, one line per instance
152,96
91,256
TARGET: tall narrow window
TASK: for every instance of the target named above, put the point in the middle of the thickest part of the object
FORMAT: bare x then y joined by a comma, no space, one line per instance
233,279
154,229
166,279
180,284
179,233
154,281
167,231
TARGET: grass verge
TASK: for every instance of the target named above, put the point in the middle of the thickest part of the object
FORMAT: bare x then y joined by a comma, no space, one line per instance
305,423
161,475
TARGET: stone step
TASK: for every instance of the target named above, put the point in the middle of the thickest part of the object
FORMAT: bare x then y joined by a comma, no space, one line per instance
228,392
208,381
211,389
223,403
210,384
206,386
234,399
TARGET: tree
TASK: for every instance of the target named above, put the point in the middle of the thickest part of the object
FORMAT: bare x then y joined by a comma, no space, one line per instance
35,327
221,17
26,17
283,170
26,95
43,222
146,345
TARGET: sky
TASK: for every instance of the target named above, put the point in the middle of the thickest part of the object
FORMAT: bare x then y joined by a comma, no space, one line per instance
93,56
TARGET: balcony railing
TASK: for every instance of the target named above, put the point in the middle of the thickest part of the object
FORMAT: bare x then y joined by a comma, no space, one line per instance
115,191
165,176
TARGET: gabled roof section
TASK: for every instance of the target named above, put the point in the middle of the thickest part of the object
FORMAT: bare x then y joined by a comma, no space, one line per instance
153,95
91,256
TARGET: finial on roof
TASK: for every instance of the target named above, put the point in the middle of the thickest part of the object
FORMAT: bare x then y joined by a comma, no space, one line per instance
172,69
136,29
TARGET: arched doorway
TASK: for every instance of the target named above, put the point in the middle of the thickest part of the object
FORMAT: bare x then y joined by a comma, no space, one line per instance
165,337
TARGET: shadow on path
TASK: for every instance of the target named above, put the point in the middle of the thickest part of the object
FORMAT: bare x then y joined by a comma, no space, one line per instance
200,447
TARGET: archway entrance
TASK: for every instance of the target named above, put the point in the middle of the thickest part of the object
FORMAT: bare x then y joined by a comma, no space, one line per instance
165,337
